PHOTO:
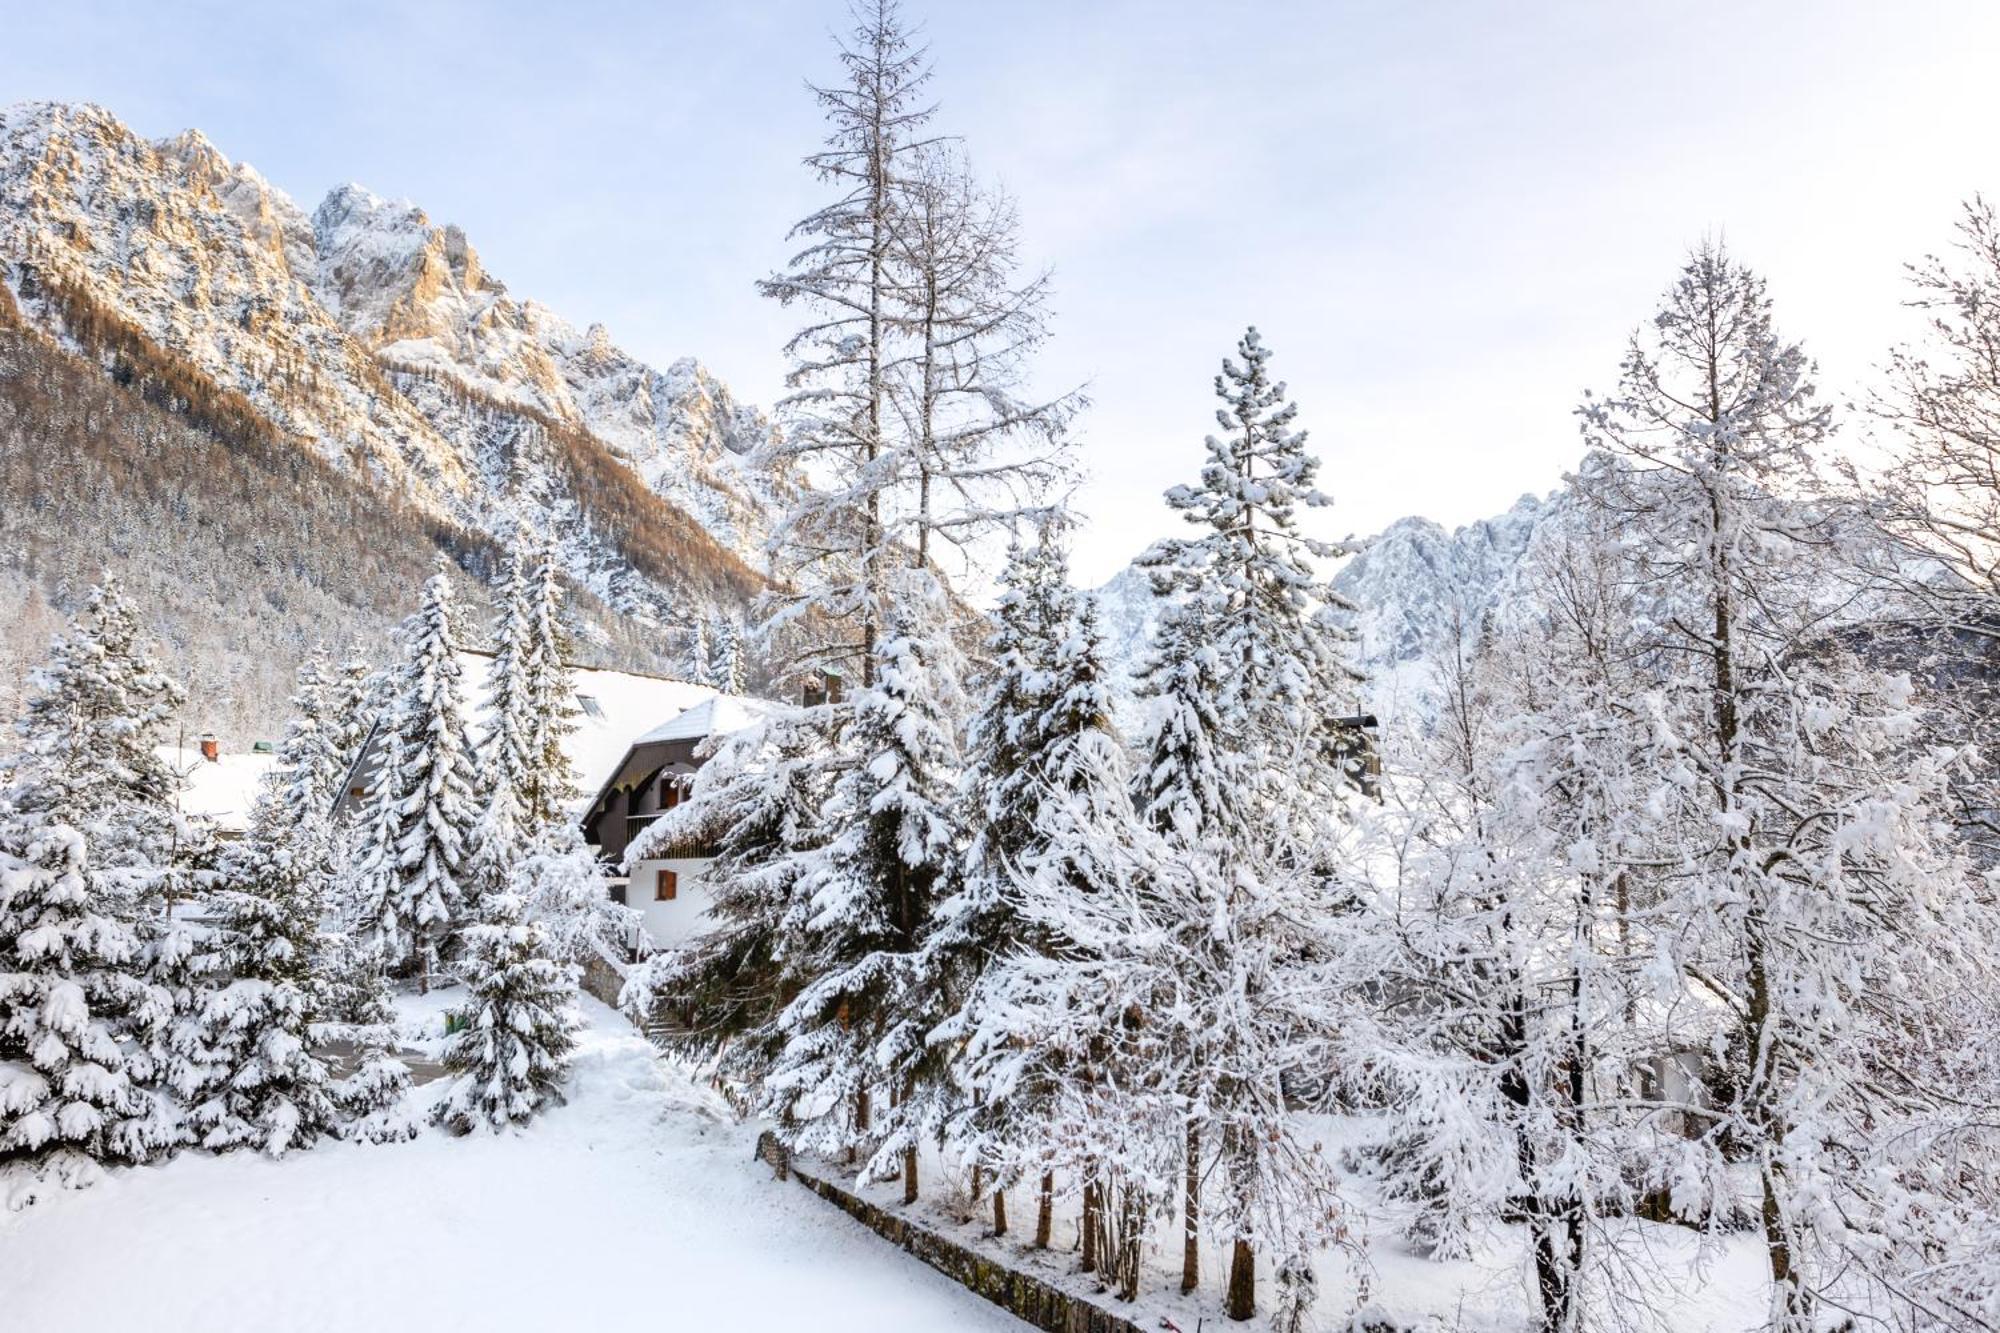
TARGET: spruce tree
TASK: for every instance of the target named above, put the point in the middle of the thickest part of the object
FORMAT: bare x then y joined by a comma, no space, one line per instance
1278,630
421,808
503,760
516,1027
727,671
1037,704
256,1081
701,656
87,833
545,783
863,902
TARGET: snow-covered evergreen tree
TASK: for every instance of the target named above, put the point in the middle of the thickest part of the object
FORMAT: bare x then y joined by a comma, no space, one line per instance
88,835
516,1027
727,670
757,800
546,782
1046,708
249,1076
863,902
1283,653
263,1085
420,809
701,656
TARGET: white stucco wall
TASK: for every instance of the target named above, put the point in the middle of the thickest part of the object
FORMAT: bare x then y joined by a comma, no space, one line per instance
670,923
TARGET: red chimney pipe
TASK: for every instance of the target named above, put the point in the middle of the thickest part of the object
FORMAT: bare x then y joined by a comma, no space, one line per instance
210,750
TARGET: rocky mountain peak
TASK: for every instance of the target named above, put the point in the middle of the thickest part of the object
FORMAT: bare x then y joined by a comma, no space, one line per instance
376,338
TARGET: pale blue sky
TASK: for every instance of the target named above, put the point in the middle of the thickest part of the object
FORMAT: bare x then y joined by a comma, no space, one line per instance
1444,217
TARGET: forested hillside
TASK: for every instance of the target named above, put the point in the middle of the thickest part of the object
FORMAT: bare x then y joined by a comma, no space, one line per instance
245,550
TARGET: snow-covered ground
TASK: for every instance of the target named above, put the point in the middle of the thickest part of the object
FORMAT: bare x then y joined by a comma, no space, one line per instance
636,1205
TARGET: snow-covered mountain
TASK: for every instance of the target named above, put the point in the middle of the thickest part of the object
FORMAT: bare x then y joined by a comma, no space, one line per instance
1409,584
374,338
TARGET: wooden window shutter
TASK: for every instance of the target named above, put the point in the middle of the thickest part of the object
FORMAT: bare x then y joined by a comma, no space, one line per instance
666,886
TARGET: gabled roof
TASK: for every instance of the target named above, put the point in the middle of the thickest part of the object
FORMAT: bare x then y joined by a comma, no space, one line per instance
674,740
611,707
715,717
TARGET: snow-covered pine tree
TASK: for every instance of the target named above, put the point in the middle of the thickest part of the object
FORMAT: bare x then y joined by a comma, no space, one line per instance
701,655
517,1025
1817,902
494,841
1241,779
1056,1038
74,1012
262,1085
420,809
244,1061
547,782
863,901
1019,760
727,670
351,1004
87,838
353,697
1188,790
757,801
1274,624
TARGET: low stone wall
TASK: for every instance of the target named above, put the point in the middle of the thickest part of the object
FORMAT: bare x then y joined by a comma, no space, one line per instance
1030,1298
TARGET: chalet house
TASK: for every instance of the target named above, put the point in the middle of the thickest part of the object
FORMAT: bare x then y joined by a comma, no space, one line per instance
669,892
670,719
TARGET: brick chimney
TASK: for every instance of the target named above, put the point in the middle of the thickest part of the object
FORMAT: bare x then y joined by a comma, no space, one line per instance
210,750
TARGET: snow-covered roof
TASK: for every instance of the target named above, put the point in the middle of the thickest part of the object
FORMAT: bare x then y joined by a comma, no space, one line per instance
715,717
612,707
222,789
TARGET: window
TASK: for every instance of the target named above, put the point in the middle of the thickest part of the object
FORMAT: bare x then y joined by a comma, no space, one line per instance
588,703
666,886
670,793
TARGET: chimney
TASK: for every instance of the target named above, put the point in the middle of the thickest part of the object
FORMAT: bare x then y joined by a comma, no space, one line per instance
209,749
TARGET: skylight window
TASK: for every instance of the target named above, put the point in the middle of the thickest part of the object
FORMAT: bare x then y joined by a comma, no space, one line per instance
589,705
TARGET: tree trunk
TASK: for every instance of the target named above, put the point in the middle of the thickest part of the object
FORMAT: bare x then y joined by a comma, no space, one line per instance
1241,1302
1091,1204
999,1211
1131,1220
910,1174
978,1181
1045,1211
1191,1213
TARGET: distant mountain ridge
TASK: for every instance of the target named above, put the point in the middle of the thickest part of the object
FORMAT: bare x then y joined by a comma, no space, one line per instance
1409,583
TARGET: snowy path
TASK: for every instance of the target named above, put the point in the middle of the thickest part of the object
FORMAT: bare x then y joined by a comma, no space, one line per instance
631,1207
